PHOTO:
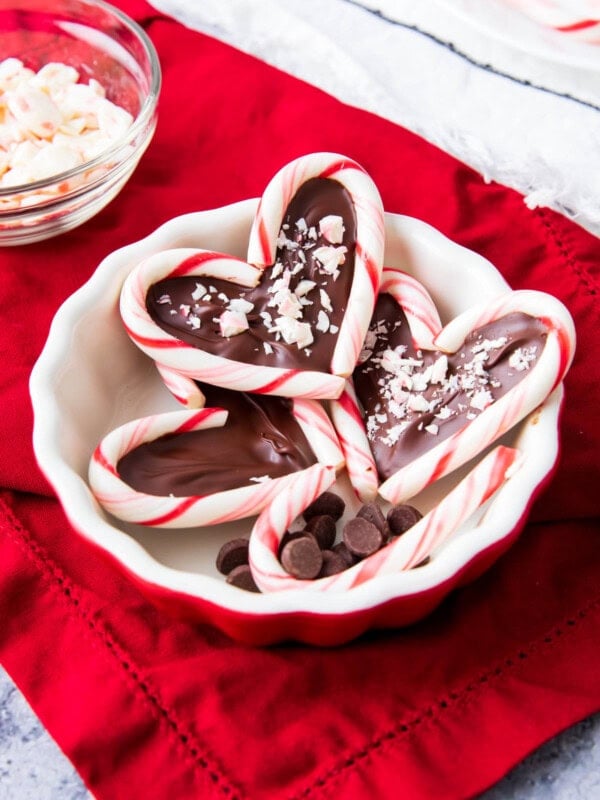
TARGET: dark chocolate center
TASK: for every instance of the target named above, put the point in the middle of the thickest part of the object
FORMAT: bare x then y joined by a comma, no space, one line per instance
260,438
412,400
192,316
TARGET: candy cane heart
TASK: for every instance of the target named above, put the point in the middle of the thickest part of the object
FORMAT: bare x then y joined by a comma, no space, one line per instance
292,319
424,323
148,490
428,405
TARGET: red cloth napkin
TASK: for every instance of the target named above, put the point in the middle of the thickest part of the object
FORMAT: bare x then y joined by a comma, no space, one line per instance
150,707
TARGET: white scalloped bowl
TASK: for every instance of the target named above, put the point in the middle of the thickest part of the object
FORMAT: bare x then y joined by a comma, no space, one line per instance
91,378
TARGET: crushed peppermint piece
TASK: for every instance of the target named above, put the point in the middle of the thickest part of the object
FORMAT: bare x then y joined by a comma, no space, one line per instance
331,258
198,292
289,305
301,225
481,399
331,228
260,479
194,322
432,428
232,323
304,287
267,348
322,322
164,298
325,300
185,310
521,358
294,332
241,305
445,412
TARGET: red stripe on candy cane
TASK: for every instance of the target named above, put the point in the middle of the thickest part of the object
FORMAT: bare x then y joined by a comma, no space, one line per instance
201,416
338,166
582,25
190,264
104,462
163,344
277,383
178,511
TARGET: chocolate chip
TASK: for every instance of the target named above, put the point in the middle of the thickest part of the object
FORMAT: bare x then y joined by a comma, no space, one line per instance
323,529
289,536
327,503
362,537
341,549
401,518
332,564
373,513
242,578
302,558
232,555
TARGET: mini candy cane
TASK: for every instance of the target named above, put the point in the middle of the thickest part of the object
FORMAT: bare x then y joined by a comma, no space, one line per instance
424,322
189,362
360,464
408,550
119,499
370,235
547,372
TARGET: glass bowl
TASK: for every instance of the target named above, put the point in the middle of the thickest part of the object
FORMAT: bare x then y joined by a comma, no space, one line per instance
101,43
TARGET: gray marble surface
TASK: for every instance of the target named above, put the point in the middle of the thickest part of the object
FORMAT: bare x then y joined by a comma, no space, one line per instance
33,768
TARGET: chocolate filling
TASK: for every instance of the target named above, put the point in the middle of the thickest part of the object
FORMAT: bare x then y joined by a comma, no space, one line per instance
175,305
260,437
409,409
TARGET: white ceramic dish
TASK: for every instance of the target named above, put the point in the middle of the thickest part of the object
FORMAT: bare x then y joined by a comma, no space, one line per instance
79,394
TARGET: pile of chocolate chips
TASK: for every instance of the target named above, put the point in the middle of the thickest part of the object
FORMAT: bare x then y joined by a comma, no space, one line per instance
312,552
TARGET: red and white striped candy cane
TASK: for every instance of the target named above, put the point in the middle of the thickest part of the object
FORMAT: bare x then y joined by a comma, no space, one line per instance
416,302
184,390
424,323
535,386
408,550
348,421
119,499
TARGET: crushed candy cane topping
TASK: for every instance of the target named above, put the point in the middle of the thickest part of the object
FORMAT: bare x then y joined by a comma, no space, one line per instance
50,122
289,292
411,388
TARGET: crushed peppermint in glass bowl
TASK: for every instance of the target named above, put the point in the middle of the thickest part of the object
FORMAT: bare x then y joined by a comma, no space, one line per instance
79,85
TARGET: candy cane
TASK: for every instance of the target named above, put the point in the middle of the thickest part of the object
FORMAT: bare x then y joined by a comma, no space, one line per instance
360,464
424,323
408,550
416,302
547,372
183,389
124,502
370,235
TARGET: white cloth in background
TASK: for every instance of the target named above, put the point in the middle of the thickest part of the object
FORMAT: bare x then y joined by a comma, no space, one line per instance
446,70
